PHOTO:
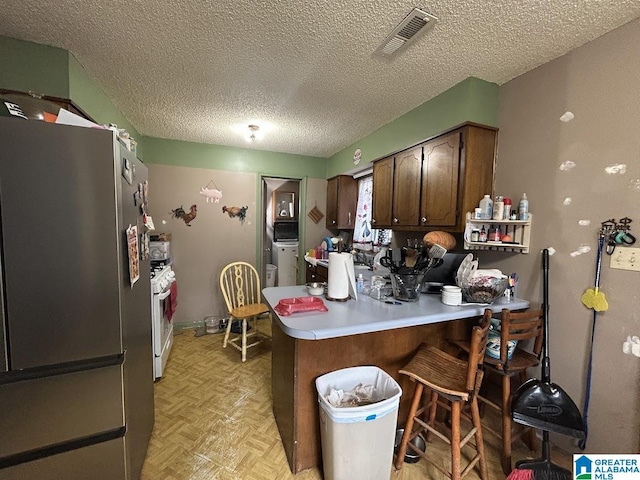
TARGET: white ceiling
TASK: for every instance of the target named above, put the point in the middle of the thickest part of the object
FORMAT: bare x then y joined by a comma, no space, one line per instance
302,70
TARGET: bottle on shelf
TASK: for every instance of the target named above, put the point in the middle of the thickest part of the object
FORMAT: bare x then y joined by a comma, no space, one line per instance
507,209
482,237
486,205
498,208
523,208
495,234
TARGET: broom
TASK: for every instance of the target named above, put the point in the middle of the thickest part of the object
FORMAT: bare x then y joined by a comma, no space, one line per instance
540,468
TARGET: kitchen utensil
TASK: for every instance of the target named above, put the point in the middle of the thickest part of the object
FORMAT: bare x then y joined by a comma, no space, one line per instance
410,256
387,262
437,251
427,264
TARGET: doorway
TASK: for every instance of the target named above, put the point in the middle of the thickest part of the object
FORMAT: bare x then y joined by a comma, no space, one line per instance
281,222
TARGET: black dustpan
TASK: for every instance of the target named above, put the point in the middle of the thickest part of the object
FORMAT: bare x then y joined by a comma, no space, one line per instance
540,403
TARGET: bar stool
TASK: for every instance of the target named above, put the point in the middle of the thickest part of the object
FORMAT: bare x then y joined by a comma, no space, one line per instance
519,327
454,384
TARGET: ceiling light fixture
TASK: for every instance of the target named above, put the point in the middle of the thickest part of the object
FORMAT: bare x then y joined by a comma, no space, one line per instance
253,129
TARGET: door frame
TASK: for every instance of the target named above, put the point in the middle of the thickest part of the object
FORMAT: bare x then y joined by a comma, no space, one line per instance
263,243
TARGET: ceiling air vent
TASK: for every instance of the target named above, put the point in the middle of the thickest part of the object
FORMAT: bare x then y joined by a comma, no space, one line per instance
406,32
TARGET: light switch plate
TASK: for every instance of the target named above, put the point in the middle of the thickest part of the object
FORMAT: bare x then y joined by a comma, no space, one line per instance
626,258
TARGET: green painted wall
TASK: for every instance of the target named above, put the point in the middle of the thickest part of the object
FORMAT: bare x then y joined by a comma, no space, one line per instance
86,92
31,67
472,100
217,157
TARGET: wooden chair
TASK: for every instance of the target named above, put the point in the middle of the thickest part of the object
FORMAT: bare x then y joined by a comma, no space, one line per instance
454,384
520,326
240,284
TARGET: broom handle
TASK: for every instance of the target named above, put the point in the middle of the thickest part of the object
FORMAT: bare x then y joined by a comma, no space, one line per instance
546,446
546,364
599,260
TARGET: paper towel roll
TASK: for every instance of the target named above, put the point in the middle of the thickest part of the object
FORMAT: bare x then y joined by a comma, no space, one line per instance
341,279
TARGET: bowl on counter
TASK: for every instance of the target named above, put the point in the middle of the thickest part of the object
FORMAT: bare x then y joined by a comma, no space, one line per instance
316,288
484,288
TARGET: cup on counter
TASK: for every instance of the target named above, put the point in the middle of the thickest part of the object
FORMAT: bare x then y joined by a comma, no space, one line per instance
451,295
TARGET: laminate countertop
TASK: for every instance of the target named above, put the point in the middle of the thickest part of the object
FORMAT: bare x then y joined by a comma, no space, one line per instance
366,315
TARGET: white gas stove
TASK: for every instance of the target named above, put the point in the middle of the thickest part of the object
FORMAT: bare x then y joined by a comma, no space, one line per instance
163,301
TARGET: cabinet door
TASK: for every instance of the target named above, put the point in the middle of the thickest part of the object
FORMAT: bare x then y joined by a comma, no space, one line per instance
440,173
342,199
332,203
382,193
406,188
347,201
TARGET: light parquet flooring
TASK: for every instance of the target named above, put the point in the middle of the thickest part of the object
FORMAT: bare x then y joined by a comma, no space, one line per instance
213,421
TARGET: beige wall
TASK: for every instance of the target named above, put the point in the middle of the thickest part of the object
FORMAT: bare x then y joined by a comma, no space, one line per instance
599,84
213,239
316,195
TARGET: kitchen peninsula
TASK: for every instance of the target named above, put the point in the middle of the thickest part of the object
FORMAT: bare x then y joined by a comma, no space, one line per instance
351,333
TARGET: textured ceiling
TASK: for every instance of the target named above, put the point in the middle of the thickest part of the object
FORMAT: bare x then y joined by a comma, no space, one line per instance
302,70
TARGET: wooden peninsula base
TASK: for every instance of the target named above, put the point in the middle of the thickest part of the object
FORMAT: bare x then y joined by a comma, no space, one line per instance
353,333
297,363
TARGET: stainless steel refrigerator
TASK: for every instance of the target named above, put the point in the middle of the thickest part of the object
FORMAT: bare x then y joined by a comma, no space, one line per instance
76,381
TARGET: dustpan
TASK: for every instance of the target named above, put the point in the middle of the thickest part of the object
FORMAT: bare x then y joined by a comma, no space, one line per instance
540,403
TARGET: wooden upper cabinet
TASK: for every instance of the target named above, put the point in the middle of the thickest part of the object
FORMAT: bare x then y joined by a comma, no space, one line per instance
382,193
406,188
432,185
440,166
342,200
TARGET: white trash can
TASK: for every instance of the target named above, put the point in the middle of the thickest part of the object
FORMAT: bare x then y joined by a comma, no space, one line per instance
358,441
271,275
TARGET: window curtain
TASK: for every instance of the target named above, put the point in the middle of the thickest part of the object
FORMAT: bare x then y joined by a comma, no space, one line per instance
363,235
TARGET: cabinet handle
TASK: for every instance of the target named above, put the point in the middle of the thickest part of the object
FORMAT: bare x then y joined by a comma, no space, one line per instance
423,219
333,222
395,220
349,218
373,220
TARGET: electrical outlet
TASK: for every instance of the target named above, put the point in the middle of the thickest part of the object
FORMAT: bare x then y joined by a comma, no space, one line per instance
626,258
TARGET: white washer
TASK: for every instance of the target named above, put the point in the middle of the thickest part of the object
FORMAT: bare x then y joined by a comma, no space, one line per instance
285,256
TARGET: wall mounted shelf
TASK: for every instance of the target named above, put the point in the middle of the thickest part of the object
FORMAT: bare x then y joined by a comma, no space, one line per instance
520,231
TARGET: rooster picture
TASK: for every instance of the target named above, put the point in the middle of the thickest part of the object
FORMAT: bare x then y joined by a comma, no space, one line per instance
239,212
186,217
